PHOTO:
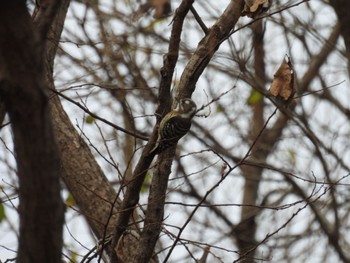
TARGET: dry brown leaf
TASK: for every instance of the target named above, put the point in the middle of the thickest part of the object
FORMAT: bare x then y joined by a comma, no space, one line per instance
254,8
162,8
284,83
256,4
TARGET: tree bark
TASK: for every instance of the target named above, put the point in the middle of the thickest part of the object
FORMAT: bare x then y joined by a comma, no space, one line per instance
82,175
342,8
246,229
23,89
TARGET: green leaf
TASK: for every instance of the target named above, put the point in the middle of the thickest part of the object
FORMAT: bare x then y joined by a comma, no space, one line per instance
219,109
73,256
89,119
254,97
70,200
146,182
2,212
292,156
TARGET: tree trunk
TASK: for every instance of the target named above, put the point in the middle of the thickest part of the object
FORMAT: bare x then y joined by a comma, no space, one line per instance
23,90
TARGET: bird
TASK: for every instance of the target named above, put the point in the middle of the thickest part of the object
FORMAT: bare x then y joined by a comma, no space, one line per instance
175,125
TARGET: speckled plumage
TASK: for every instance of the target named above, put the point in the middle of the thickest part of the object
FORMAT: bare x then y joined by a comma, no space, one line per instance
175,124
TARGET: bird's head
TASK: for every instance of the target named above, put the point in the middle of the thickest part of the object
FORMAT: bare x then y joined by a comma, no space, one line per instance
186,108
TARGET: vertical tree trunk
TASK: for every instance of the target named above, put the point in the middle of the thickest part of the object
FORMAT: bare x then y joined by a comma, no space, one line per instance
245,231
23,90
342,8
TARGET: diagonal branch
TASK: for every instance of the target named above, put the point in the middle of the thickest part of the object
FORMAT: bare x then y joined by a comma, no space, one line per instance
207,48
131,197
100,118
200,59
80,172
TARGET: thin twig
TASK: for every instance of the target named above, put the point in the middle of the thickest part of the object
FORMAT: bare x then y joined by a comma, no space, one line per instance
199,20
100,118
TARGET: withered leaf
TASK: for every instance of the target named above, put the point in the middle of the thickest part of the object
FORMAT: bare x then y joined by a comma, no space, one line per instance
284,83
162,8
254,8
